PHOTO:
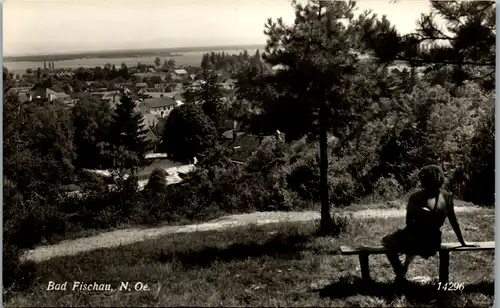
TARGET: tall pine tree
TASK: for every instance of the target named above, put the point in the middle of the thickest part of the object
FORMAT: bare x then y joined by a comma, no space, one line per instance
127,130
210,96
323,87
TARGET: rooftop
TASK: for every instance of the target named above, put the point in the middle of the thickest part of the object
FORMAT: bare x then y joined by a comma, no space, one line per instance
157,102
180,71
145,74
243,146
173,95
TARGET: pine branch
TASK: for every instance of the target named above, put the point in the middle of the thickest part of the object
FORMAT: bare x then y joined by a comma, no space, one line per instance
443,62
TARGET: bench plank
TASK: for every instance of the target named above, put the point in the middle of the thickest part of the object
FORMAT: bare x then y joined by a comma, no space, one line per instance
458,246
350,250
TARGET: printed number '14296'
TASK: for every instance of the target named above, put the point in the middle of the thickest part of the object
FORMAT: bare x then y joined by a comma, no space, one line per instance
450,286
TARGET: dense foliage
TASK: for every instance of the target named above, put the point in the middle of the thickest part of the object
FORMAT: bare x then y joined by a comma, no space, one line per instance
92,120
231,64
210,96
188,132
127,131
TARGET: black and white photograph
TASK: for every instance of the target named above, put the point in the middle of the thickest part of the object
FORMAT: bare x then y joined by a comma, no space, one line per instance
257,153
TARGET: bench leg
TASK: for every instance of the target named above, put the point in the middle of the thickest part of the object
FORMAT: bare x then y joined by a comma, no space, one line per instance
444,264
365,269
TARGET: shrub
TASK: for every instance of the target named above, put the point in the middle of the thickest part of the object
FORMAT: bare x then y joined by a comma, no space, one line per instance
342,189
342,185
33,222
107,217
387,189
474,180
126,195
436,126
157,182
16,273
27,221
304,178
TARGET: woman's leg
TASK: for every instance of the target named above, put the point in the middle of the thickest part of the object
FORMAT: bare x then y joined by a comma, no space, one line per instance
399,269
392,241
408,260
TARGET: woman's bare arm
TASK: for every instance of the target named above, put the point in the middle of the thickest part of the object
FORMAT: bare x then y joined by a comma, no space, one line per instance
450,211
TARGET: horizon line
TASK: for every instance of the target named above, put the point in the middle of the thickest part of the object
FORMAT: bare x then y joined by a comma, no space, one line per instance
94,51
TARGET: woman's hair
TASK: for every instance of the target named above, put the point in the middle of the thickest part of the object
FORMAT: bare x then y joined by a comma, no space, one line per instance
431,177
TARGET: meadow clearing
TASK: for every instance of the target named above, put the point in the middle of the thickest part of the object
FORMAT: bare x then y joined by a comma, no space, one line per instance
282,264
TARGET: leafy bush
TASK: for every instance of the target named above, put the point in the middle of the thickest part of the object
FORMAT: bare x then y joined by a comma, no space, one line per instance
16,273
474,179
188,132
157,182
108,217
304,180
31,222
303,177
27,222
342,189
436,126
343,186
387,189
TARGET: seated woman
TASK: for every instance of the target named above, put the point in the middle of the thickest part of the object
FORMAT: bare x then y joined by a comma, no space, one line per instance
425,215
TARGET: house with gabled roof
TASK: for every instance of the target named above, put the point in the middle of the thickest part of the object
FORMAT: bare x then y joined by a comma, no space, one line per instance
173,95
42,93
181,72
154,133
160,106
242,146
111,97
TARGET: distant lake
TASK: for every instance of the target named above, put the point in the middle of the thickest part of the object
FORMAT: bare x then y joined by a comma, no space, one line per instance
185,58
181,58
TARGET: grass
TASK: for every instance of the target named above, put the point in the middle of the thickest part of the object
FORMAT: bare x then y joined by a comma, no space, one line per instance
76,231
275,265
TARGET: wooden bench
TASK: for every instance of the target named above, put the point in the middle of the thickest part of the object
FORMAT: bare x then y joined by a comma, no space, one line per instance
444,255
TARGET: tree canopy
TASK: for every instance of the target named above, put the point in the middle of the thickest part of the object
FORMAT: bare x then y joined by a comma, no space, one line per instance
188,132
91,120
127,129
464,49
210,96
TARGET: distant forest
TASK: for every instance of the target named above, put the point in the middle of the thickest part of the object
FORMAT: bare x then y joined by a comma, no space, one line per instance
125,53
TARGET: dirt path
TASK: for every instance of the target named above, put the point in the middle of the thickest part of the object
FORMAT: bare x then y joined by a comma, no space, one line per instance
129,236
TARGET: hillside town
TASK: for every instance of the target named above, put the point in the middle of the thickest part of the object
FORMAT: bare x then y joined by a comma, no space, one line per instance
155,90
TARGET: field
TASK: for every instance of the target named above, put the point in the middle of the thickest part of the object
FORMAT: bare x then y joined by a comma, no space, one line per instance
282,264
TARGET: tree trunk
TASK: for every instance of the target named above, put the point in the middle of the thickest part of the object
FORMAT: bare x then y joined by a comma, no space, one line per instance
326,219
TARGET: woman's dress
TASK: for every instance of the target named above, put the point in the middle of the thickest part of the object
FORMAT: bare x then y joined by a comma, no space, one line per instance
421,237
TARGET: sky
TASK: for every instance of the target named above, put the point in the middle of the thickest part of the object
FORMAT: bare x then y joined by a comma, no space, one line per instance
61,26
